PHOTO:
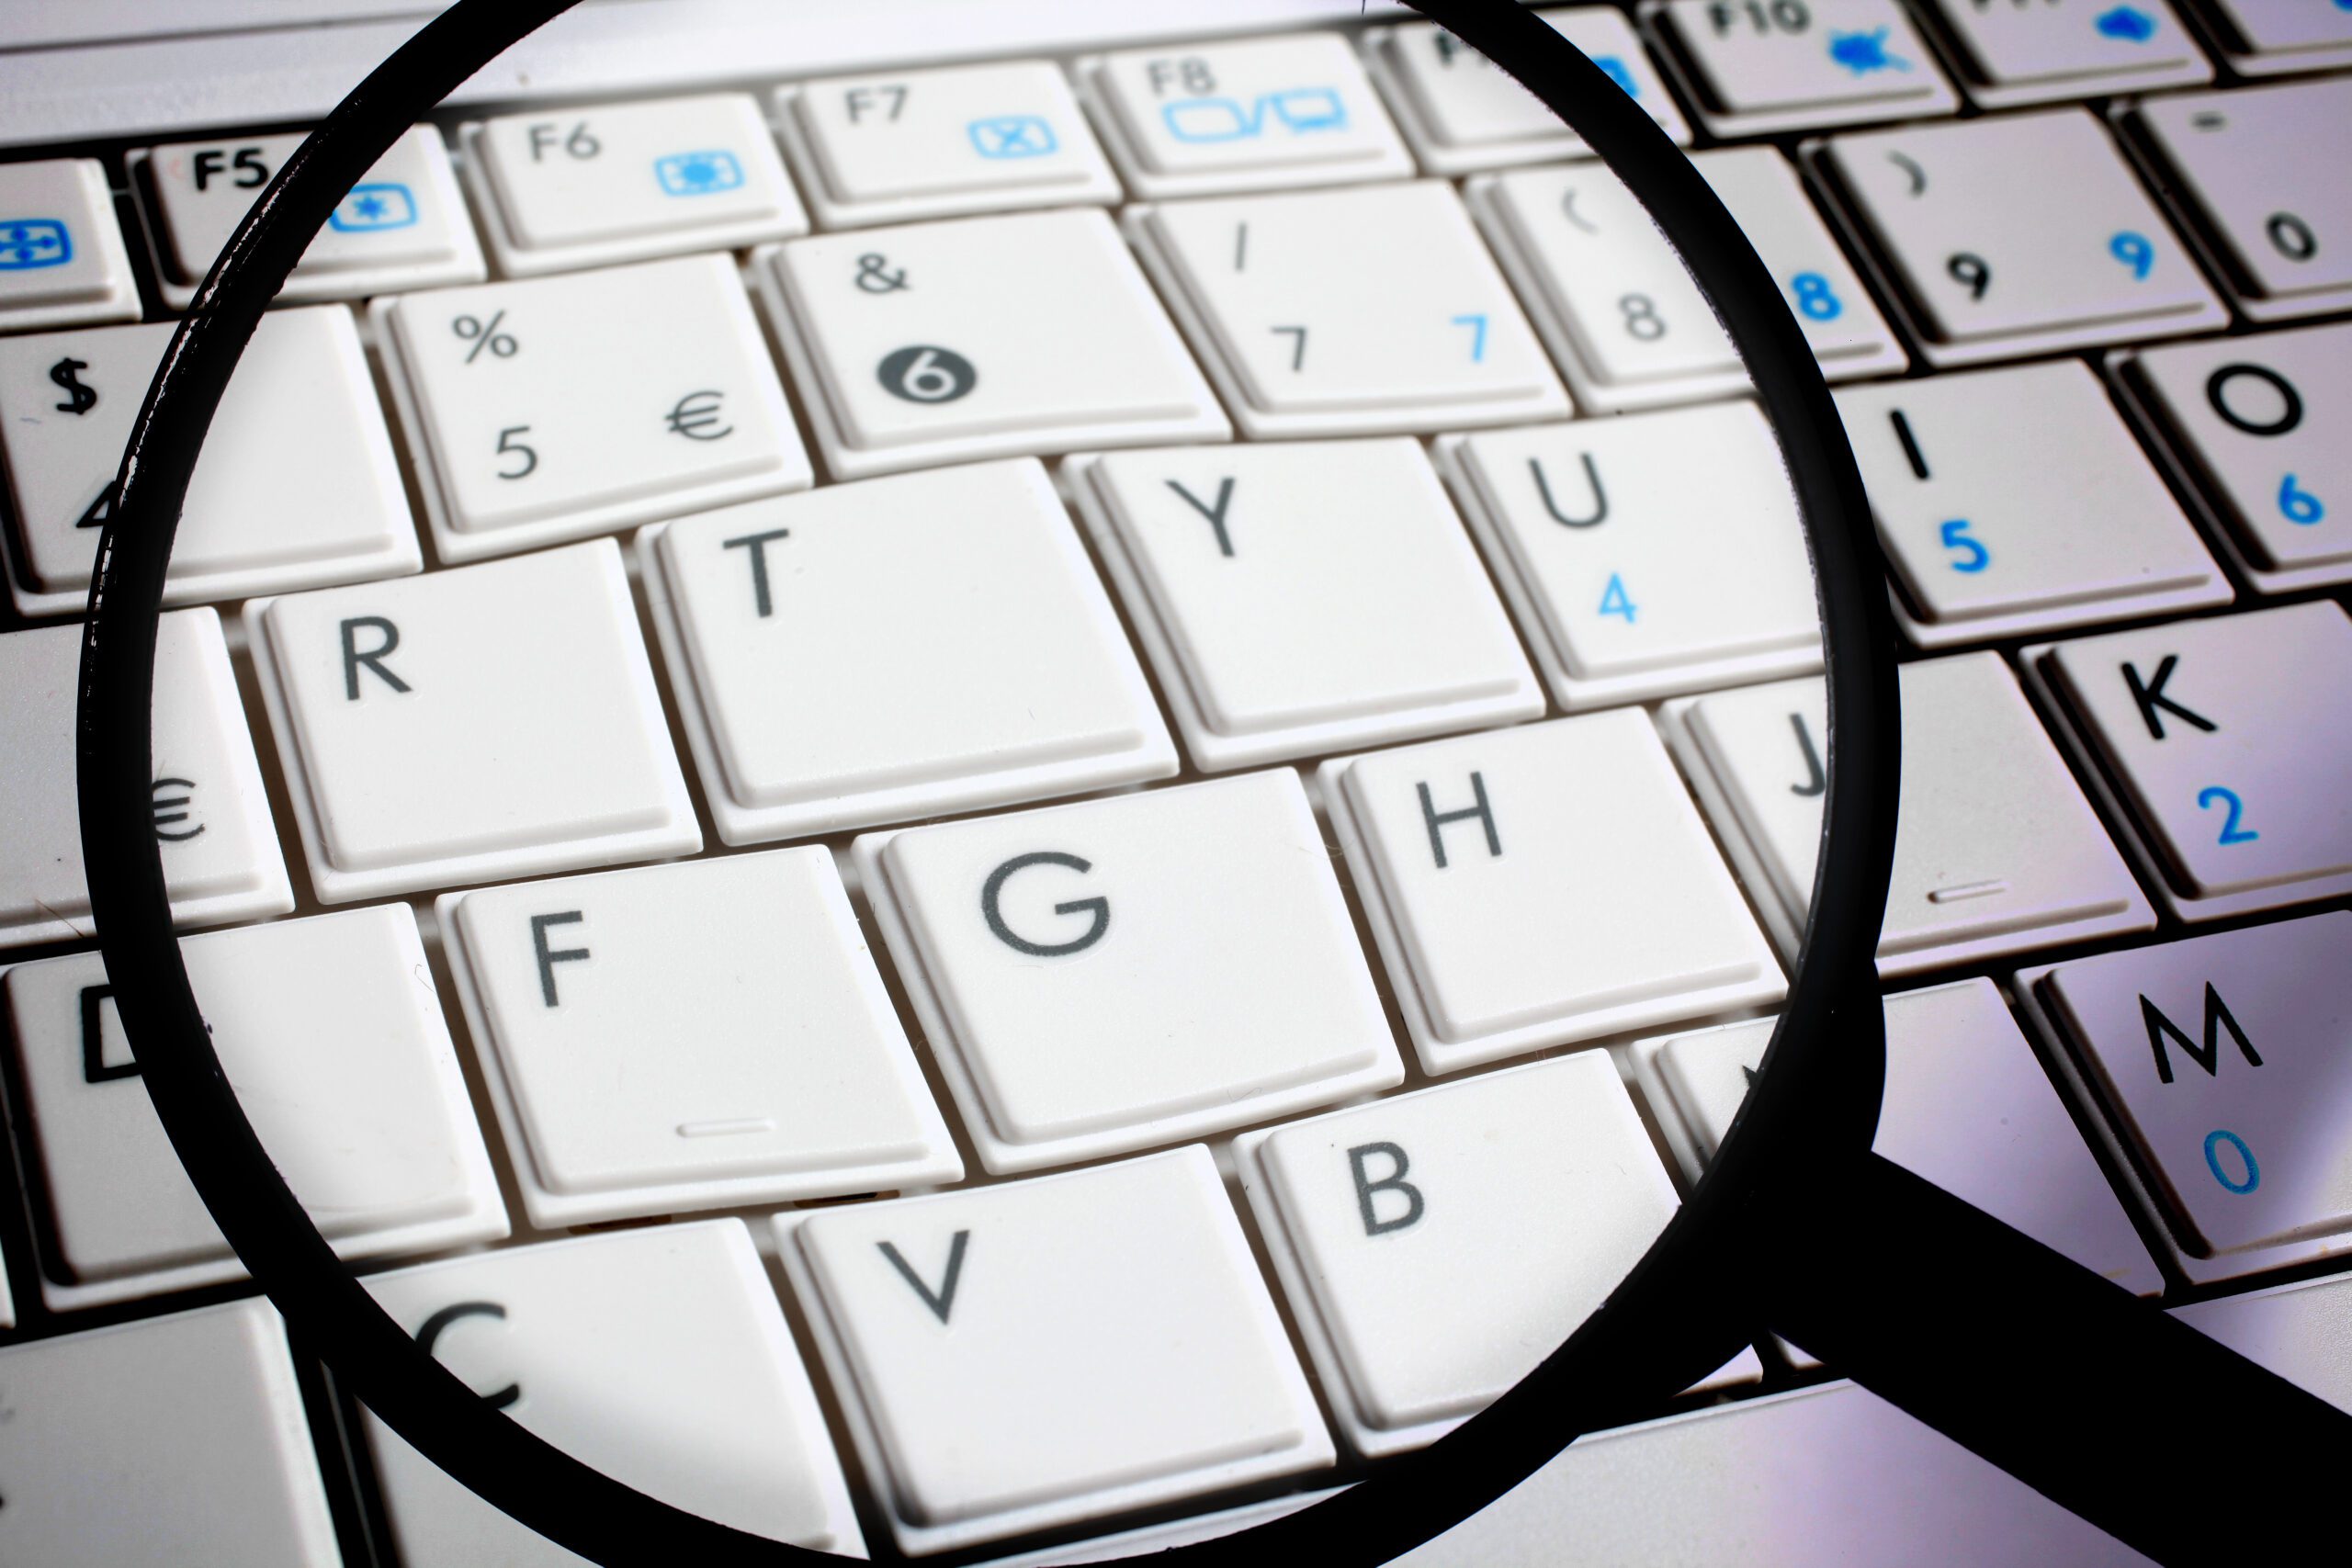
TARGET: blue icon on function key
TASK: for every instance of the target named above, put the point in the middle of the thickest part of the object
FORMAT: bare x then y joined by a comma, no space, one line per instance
30,243
1862,53
1297,109
2123,22
697,174
372,206
1617,72
1012,136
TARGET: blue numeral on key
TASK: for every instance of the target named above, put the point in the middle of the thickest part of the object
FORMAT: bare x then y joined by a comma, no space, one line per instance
1814,298
2134,251
2213,1140
1614,601
1477,325
2297,504
1972,555
2231,834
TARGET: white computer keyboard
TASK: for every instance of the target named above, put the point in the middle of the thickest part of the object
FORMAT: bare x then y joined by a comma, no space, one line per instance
924,803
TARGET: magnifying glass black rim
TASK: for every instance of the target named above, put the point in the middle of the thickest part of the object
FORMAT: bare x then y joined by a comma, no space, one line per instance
1679,1315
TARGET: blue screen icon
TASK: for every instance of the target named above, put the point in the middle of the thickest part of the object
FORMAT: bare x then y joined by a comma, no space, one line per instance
372,206
2123,22
697,174
1011,136
30,243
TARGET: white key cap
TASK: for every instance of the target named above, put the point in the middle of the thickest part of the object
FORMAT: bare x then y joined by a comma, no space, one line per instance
1621,316
658,1357
1043,696
2010,55
1542,886
1791,1481
1148,1538
1348,312
2253,169
2016,235
177,1440
1999,850
2013,501
1967,1106
211,817
2218,743
62,258
402,226
2219,1063
1300,597
1376,1215
376,1136
2253,423
554,408
470,725
783,1073
2264,38
981,337
1123,973
943,143
1461,113
1037,1352
1645,555
626,182
296,487
1756,69
1251,115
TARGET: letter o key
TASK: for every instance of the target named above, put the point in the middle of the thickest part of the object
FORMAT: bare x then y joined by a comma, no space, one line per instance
993,888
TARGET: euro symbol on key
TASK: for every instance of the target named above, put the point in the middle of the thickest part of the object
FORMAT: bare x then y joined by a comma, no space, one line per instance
167,810
693,416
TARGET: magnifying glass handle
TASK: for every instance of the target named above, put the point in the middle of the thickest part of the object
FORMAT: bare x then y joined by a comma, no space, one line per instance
2098,1399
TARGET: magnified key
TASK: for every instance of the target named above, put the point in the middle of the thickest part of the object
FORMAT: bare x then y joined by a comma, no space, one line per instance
63,264
1757,69
2010,56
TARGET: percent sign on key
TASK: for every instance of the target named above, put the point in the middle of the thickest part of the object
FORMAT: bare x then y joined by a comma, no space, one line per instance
482,336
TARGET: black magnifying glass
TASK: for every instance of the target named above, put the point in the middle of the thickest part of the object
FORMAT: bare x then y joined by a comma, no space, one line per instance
1796,1228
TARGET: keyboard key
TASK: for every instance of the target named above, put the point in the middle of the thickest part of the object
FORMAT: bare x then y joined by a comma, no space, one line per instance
402,226
1348,312
626,182
981,337
1047,700
1645,555
296,487
470,725
211,817
2017,235
794,1080
658,1357
1755,70
1304,596
1967,1106
943,143
1461,113
1542,886
1148,1539
2220,740
1133,971
376,1136
2012,55
2250,167
1375,1215
1623,318
177,1440
1038,1352
2254,422
2219,1062
62,258
2267,37
553,408
1256,114
2013,501
1998,851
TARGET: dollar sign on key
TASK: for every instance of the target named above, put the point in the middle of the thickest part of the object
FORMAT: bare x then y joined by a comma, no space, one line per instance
84,398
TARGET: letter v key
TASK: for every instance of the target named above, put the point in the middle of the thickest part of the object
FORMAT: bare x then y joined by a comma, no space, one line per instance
945,1300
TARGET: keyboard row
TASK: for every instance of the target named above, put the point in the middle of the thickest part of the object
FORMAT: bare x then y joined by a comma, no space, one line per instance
1098,1293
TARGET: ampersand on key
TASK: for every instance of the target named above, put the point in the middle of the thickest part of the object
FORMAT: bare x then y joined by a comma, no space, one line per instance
874,278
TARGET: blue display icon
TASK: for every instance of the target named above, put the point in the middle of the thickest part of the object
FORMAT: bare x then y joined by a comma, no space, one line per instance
2124,22
698,174
1297,109
1011,136
1619,73
30,243
373,207
1864,53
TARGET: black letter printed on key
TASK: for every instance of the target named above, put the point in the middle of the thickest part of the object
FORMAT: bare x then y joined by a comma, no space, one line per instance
1368,1190
354,656
1437,819
551,956
758,545
430,1331
994,887
2151,696
2209,1055
943,1301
